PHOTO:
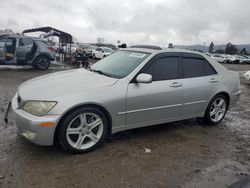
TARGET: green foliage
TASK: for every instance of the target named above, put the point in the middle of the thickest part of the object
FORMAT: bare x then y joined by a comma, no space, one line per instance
231,49
211,48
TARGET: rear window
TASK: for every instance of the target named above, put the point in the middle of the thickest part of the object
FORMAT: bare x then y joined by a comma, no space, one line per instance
25,42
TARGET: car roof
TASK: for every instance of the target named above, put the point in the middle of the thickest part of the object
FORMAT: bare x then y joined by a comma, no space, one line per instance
154,51
21,36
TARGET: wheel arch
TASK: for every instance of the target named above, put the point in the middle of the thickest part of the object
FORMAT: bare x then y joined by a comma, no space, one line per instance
224,93
93,105
44,54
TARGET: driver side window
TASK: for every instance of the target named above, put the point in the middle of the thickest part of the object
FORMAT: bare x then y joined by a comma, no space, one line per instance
163,68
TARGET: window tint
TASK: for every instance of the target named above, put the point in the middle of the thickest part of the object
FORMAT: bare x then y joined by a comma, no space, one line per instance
193,67
9,42
209,70
165,68
2,39
25,42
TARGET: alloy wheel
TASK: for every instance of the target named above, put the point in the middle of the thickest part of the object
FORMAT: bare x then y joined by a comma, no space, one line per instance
84,131
42,62
218,110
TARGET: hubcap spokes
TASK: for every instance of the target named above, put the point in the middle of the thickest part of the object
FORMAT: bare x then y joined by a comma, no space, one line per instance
218,110
43,62
84,131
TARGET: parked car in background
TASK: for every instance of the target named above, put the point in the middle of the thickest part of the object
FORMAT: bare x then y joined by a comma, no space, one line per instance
233,59
23,50
219,58
101,52
88,48
243,59
131,88
247,77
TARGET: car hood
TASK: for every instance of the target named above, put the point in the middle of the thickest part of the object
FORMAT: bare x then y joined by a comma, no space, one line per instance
50,86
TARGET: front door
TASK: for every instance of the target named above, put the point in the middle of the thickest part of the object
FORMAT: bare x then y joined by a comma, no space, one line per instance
10,50
2,50
159,101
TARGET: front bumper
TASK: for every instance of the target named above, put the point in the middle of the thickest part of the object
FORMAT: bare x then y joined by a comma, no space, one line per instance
29,126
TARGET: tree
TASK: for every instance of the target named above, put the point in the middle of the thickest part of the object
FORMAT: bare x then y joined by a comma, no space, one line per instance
231,49
243,51
219,51
211,48
6,32
100,40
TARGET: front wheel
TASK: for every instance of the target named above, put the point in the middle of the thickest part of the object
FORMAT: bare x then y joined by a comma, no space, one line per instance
42,63
83,130
216,110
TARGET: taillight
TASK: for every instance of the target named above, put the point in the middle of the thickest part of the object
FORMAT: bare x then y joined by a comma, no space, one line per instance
51,49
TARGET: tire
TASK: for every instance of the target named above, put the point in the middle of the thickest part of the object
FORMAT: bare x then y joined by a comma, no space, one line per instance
42,63
94,56
77,135
216,111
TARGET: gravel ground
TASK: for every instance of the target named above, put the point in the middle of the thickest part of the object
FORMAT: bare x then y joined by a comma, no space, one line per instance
180,154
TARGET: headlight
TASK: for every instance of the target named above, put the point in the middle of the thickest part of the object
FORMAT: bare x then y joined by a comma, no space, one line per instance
38,108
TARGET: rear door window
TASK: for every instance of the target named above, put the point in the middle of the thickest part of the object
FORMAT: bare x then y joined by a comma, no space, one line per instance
196,67
25,42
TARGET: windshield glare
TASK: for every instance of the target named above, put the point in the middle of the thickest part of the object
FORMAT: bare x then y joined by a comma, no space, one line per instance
121,63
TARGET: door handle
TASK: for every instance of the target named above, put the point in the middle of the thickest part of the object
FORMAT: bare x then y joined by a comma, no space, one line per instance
213,80
176,84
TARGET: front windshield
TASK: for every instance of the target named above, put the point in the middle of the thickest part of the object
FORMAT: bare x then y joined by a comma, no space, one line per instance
109,50
120,63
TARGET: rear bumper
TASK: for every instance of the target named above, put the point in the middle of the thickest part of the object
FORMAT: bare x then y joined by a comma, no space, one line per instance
29,126
234,98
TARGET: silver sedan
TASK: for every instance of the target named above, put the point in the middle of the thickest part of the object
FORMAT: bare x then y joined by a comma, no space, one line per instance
131,88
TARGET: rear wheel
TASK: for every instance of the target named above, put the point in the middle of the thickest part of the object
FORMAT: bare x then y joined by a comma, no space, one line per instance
83,130
42,62
216,110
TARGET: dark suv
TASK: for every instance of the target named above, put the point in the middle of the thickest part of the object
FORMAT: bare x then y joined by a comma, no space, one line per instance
23,50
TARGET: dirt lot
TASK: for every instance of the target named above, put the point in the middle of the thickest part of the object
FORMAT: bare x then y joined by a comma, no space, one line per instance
182,154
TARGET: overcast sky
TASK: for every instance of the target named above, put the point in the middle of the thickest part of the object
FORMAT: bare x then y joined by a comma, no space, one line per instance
135,21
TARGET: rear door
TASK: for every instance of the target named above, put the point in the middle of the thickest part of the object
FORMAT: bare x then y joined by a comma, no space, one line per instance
199,82
2,49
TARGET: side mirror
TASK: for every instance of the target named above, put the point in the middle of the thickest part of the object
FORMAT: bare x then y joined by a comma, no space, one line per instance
144,78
